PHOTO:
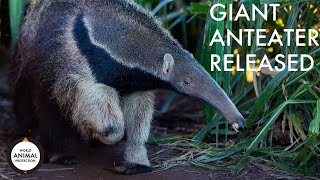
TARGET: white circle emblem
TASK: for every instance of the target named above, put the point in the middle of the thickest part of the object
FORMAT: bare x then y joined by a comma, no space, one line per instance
25,155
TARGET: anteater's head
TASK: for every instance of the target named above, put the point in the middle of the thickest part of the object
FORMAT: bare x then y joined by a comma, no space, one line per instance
187,76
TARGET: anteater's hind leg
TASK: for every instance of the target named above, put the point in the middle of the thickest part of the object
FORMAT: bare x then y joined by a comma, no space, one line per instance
138,110
59,138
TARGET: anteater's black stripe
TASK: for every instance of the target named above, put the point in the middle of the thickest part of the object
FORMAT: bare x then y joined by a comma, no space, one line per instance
110,72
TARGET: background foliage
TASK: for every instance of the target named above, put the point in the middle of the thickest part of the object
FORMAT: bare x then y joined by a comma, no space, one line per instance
283,108
283,122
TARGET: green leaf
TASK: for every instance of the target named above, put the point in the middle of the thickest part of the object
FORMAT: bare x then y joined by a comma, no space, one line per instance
315,123
204,131
161,5
16,8
200,8
272,86
267,127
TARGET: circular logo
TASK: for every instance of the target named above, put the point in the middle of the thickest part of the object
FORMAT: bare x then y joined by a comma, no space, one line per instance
25,155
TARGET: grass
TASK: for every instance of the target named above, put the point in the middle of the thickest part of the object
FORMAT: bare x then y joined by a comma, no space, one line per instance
290,98
186,153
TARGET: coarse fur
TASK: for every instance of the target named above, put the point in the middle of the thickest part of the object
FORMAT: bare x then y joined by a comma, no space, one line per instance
138,109
92,65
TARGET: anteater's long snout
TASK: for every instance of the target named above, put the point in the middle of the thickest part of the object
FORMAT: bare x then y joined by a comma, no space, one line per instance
217,98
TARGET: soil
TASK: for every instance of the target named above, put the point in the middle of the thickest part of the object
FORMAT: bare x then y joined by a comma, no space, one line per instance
97,162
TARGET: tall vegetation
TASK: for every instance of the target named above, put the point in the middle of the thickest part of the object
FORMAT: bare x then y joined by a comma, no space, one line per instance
16,8
283,105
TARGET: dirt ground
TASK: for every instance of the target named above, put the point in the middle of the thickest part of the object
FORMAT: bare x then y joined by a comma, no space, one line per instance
97,162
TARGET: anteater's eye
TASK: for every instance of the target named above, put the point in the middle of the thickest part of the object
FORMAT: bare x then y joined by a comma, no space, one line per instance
185,82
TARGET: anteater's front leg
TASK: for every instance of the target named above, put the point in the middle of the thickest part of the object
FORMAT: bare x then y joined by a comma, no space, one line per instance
138,110
94,108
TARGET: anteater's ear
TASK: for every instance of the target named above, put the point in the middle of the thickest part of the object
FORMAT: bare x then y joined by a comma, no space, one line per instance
168,63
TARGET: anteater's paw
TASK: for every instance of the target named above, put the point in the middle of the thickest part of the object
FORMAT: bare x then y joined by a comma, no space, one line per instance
64,159
130,169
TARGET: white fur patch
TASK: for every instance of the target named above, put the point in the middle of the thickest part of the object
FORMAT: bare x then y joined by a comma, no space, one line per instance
95,108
